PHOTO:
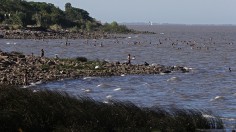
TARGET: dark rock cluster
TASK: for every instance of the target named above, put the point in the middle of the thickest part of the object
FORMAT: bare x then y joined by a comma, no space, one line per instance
19,69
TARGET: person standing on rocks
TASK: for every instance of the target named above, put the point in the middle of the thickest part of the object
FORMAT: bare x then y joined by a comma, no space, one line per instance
25,79
129,59
42,53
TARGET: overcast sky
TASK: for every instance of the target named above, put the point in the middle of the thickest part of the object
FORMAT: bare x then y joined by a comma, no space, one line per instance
157,11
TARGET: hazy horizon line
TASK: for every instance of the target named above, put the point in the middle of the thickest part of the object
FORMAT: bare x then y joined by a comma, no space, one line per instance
155,23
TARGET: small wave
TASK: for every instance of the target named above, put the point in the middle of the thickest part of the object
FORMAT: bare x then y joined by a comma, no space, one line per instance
8,43
109,96
146,84
162,73
87,78
174,79
218,98
87,90
208,116
122,75
228,119
103,85
117,89
188,68
36,83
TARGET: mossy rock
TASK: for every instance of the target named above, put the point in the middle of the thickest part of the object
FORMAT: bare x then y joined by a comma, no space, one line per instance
82,59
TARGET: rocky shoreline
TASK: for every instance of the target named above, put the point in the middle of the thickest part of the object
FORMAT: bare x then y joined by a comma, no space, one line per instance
19,69
29,34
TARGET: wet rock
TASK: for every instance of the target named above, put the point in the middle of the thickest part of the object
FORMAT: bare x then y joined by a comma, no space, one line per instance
4,79
50,63
21,60
21,56
2,68
14,59
166,71
7,63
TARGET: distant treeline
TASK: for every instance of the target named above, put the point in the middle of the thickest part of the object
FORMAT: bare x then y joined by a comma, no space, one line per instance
20,14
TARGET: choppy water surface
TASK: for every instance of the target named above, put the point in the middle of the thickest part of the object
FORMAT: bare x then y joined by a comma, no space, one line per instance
208,50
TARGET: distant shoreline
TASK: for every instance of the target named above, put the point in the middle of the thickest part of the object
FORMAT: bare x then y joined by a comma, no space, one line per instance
31,34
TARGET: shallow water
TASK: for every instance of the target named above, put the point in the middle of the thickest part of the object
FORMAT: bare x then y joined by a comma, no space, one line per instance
208,50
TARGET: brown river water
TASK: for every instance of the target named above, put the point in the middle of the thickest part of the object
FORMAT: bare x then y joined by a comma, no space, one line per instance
209,51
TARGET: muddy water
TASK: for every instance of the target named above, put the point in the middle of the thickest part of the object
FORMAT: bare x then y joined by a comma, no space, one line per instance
208,50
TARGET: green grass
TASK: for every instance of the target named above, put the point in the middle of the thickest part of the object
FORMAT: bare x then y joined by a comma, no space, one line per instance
45,67
82,64
57,111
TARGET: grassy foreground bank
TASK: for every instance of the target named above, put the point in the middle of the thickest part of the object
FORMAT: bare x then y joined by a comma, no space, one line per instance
27,110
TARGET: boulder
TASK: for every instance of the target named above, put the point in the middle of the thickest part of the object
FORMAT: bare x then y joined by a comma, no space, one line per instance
50,63
1,36
21,56
7,63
